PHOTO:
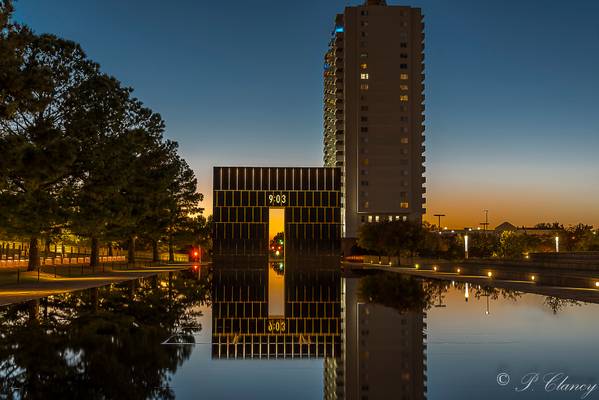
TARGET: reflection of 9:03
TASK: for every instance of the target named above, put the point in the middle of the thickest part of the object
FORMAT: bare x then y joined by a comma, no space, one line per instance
278,326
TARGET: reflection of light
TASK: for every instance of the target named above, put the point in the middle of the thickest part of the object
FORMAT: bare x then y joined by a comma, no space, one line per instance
466,292
278,253
195,267
557,244
281,266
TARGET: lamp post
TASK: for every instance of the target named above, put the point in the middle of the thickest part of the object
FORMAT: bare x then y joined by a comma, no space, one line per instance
439,216
466,247
466,294
557,244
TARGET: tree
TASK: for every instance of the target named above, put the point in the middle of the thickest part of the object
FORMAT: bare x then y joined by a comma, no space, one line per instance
514,245
38,154
392,238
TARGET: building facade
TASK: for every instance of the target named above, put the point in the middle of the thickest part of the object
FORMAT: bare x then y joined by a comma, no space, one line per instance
374,112
309,196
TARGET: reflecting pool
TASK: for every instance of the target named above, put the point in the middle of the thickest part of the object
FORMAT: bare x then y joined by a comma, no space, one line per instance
298,332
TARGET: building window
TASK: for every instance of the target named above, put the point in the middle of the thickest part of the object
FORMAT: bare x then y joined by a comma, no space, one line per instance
364,108
370,218
364,172
404,218
364,183
376,218
390,218
364,23
403,87
403,55
404,173
363,66
403,66
363,55
364,34
403,45
364,129
403,151
397,217
403,118
363,76
364,119
403,129
404,140
403,77
403,97
365,162
404,204
364,86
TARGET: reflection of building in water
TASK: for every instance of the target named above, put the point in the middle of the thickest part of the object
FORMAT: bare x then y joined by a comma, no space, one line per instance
383,352
243,325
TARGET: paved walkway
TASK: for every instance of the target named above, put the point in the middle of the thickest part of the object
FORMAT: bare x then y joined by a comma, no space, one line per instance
587,294
49,285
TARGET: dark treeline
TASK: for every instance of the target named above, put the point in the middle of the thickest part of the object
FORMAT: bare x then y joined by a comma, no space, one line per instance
80,154
403,238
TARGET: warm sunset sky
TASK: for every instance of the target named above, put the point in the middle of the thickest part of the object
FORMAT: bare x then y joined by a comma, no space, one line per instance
512,89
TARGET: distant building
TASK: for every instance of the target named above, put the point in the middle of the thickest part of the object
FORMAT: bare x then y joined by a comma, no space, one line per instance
374,112
533,231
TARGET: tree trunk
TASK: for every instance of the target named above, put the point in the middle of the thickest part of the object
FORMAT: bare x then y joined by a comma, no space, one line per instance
110,249
155,255
34,255
171,250
94,259
131,250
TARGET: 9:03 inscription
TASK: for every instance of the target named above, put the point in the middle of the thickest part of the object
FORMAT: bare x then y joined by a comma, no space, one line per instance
276,199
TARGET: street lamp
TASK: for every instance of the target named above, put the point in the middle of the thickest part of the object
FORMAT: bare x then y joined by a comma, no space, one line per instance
439,216
466,295
557,244
466,246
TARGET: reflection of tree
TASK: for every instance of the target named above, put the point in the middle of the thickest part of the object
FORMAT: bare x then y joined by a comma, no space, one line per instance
102,343
556,304
278,267
403,293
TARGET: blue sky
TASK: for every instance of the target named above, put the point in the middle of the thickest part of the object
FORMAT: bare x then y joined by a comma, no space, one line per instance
512,113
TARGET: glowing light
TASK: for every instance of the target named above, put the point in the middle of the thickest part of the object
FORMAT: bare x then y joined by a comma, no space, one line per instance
533,278
417,266
557,244
465,246
489,274
339,29
278,253
466,294
459,270
434,268
195,253
597,284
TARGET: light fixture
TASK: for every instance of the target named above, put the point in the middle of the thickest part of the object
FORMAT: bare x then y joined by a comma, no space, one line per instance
459,270
533,278
434,268
489,274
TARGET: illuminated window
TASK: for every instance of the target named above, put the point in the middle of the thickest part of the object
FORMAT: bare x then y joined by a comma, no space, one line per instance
363,66
390,218
363,76
404,140
397,217
404,218
364,86
376,218
365,162
404,204
363,55
403,87
370,218
366,204
403,77
403,97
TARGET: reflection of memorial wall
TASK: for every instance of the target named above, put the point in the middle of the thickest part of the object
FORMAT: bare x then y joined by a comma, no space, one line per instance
242,197
242,328
383,352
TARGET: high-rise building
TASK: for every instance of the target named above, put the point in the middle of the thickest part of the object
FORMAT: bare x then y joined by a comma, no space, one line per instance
374,112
